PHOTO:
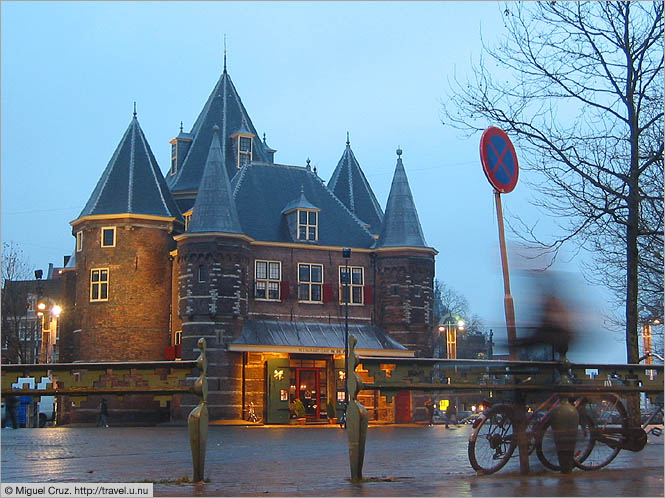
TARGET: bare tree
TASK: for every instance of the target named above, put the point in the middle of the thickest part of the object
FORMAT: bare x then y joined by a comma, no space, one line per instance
580,87
18,332
448,301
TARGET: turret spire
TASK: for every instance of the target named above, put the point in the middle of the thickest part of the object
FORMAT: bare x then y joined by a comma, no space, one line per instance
134,109
401,226
224,52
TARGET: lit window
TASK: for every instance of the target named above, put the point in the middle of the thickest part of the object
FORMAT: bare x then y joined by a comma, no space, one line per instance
79,241
188,219
244,151
177,337
108,237
268,279
308,225
99,284
310,283
356,284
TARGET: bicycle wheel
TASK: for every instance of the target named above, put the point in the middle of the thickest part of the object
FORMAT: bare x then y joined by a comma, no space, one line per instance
546,449
604,417
492,441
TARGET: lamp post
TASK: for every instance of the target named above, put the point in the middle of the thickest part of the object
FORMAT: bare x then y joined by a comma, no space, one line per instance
40,309
346,254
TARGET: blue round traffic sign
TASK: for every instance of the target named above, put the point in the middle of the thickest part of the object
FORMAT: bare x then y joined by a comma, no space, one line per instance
499,159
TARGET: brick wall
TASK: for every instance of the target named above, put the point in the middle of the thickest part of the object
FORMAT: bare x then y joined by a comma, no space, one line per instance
404,295
134,323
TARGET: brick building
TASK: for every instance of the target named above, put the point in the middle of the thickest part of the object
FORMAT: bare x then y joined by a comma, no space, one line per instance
246,252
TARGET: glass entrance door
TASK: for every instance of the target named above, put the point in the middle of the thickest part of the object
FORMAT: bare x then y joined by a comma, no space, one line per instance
309,392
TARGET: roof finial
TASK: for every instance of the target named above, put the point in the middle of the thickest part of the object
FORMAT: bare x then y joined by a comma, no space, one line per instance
134,109
399,152
264,137
215,128
308,166
347,138
315,171
224,52
180,126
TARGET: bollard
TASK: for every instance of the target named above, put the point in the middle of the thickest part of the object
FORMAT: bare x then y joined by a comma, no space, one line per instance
198,417
565,420
357,418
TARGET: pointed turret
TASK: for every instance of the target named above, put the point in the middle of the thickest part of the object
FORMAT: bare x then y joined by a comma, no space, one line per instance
124,237
238,138
214,209
132,181
349,184
401,226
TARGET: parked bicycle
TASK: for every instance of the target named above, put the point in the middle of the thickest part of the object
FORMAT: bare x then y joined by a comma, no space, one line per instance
603,431
252,416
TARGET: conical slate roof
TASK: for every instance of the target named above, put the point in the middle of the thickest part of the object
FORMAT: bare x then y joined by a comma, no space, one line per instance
225,108
401,226
132,181
349,184
214,209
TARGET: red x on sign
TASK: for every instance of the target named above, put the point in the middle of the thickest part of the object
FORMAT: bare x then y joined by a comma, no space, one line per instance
499,159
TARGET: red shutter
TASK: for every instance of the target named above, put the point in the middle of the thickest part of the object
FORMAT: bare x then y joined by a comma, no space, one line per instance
368,294
178,351
284,290
328,293
169,354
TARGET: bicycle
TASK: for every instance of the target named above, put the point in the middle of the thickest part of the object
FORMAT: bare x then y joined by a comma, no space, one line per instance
603,423
251,414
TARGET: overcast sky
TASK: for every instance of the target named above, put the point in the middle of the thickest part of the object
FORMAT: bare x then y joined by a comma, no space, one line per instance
306,72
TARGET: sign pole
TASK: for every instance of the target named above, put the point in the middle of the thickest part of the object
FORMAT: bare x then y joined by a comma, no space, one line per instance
508,305
509,310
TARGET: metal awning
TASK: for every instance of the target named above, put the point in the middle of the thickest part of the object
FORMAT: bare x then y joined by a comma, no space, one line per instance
314,338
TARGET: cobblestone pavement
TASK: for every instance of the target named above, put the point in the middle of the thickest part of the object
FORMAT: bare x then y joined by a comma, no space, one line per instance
305,461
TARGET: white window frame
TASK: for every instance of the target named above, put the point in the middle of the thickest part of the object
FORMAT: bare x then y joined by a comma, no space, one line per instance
308,225
79,241
361,286
99,284
177,337
188,219
102,236
309,283
269,281
245,153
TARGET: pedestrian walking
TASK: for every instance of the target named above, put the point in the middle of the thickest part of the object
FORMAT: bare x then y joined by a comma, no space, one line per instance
10,407
429,406
451,414
103,414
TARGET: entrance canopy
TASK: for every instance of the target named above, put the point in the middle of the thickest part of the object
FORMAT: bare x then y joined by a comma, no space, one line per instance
314,338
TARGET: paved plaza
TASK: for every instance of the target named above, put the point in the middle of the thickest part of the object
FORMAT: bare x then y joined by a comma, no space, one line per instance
305,461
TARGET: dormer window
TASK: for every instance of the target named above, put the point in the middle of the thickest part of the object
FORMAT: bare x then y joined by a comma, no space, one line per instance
308,224
187,216
244,145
